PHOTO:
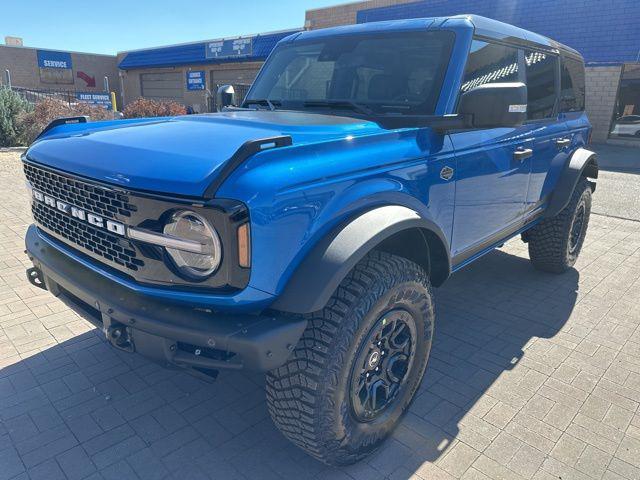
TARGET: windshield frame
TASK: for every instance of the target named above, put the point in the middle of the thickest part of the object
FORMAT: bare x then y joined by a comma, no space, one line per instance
357,109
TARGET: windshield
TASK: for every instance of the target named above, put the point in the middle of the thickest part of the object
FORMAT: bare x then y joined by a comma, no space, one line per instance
385,73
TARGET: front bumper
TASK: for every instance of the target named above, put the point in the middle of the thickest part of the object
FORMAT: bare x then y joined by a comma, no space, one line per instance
169,333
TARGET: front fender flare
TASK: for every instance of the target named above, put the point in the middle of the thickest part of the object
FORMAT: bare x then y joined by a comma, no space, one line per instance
319,274
583,162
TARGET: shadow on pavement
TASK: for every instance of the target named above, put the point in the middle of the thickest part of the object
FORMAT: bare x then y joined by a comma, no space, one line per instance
82,406
618,158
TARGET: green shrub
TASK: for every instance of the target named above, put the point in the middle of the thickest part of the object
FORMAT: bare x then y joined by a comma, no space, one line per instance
12,107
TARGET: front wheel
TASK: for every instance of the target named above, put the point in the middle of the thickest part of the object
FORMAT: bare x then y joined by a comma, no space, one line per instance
358,364
555,243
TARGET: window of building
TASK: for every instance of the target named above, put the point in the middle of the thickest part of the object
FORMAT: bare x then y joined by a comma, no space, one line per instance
572,85
626,116
541,84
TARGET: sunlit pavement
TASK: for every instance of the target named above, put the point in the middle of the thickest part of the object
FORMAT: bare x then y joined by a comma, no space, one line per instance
531,376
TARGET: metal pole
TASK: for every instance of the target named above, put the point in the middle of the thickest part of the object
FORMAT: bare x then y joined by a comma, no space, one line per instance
7,75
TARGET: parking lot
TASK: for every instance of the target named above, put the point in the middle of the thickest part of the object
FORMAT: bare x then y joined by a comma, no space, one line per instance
531,376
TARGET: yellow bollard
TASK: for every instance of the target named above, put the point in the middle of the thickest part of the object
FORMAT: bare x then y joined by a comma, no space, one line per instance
113,101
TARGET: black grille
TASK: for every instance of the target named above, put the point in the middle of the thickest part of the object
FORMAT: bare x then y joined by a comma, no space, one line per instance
92,198
99,242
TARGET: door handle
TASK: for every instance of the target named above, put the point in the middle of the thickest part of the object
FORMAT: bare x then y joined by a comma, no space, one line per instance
522,154
563,142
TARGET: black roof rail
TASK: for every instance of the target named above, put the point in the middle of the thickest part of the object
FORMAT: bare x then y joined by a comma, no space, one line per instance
246,150
63,121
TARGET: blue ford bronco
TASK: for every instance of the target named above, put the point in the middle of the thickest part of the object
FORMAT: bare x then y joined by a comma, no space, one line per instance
301,232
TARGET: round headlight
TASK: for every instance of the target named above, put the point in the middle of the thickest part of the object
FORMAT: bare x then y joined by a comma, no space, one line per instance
201,253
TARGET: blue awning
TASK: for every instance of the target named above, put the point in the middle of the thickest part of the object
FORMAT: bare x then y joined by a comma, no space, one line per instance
245,49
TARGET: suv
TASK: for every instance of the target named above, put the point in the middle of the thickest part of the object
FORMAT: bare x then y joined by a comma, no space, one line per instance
301,233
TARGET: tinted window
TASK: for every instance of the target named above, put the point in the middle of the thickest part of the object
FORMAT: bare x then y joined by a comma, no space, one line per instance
490,63
572,85
541,84
388,73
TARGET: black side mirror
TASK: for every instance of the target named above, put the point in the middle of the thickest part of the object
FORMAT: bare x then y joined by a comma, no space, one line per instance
495,105
225,96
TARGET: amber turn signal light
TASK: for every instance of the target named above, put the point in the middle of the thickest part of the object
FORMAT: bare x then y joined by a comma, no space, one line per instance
244,246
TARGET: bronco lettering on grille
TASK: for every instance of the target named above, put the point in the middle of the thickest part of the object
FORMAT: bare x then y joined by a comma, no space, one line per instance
92,219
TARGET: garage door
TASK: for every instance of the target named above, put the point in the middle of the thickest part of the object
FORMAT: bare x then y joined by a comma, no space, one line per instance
162,85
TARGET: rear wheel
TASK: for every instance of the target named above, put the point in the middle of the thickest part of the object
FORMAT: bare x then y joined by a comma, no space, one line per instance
555,243
358,364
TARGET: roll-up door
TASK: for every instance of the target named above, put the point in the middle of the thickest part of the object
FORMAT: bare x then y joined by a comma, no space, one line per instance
162,85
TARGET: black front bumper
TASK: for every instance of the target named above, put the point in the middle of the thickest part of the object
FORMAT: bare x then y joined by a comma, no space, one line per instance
174,335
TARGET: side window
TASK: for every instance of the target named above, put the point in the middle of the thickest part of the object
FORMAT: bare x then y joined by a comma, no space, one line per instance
490,63
541,84
572,85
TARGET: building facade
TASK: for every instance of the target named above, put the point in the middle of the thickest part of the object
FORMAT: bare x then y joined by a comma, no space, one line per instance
190,73
43,69
605,32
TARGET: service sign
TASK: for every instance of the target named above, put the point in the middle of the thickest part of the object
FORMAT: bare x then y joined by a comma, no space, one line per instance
237,47
49,59
101,99
196,80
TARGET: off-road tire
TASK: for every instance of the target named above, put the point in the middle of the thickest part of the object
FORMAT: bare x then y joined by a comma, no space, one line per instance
551,248
309,397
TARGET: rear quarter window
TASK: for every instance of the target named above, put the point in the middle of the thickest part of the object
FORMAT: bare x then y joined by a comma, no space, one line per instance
572,85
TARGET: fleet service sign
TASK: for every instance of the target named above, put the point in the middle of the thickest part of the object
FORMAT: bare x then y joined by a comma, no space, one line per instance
49,59
196,80
101,99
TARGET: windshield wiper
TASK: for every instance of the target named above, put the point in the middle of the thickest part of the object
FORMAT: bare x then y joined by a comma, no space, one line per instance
356,107
262,101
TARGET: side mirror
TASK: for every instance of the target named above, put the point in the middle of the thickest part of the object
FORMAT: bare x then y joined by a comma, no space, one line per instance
225,96
495,105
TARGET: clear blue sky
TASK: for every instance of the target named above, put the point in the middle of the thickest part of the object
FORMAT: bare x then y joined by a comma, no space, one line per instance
120,25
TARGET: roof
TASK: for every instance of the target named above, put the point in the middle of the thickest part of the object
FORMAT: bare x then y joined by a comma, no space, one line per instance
223,50
482,26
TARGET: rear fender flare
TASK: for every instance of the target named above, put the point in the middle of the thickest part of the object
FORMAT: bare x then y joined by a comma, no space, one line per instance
583,163
323,269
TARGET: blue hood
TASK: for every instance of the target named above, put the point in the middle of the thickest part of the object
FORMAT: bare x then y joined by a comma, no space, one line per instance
178,155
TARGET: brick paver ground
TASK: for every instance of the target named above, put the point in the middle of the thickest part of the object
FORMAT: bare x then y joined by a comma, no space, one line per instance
531,376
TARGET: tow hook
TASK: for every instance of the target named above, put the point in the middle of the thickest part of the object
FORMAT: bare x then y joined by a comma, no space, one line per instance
120,337
35,277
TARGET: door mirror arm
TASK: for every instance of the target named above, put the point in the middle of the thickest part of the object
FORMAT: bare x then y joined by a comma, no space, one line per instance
453,122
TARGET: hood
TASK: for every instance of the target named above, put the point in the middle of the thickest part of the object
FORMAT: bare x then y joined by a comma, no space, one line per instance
179,155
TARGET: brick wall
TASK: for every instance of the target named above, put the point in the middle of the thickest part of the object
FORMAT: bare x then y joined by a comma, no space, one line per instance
345,14
233,72
601,90
23,64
